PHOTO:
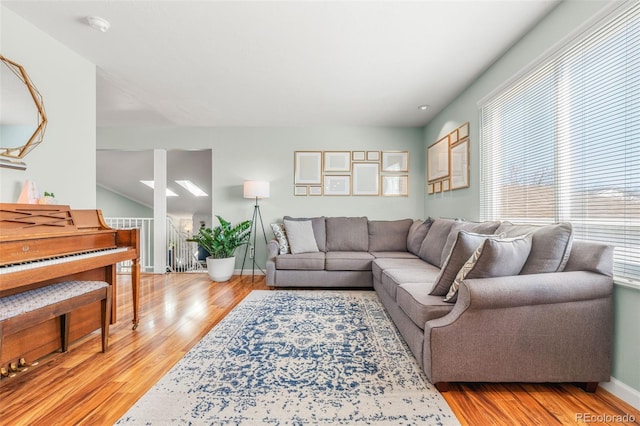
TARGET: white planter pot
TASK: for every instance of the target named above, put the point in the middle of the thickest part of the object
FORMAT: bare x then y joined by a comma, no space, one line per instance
221,269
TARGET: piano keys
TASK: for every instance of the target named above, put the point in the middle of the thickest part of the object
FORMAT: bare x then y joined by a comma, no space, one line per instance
46,244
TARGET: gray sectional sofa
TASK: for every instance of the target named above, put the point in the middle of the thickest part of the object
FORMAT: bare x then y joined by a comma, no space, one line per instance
475,302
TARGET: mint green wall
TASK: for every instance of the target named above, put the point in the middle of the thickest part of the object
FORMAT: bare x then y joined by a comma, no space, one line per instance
563,21
65,162
241,154
115,205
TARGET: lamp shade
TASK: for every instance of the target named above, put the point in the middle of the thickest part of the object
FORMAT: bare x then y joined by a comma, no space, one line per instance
256,189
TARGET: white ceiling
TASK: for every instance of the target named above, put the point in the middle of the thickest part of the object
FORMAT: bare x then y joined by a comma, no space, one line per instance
277,63
283,63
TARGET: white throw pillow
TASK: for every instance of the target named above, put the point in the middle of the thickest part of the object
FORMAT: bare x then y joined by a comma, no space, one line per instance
300,236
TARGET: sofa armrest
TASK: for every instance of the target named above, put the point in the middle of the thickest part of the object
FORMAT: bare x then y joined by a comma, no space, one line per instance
535,289
532,328
273,249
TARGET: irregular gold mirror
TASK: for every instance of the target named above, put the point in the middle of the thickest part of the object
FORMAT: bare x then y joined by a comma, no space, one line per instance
22,116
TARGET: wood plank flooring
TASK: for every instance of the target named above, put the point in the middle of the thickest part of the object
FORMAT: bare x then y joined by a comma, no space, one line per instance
87,387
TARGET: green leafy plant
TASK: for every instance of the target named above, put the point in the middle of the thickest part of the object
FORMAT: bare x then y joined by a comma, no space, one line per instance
49,194
223,240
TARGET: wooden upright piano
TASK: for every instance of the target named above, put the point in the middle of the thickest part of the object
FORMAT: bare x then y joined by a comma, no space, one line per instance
46,244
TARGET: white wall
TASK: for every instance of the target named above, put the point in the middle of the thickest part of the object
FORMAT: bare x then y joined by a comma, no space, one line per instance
241,154
115,205
65,162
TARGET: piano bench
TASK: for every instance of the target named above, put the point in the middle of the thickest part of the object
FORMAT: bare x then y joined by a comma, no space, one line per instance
32,307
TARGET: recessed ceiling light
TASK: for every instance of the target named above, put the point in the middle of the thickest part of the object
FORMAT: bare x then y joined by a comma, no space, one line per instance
98,23
423,107
151,184
192,188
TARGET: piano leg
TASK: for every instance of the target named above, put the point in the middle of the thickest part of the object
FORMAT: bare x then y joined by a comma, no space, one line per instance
135,291
64,332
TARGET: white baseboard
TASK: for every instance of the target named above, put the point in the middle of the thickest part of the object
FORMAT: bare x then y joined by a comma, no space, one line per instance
623,391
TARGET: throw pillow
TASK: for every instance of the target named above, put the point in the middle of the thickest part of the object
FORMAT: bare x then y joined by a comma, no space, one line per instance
464,246
494,258
476,227
319,229
550,247
281,236
417,232
433,243
300,236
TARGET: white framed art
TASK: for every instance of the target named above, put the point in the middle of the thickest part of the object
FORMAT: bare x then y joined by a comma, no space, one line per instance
308,167
366,179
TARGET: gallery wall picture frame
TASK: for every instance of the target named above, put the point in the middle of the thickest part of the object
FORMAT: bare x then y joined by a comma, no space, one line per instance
337,161
453,137
337,185
460,165
315,191
373,155
366,179
463,131
395,161
395,186
429,188
300,191
308,167
358,155
438,159
446,185
437,187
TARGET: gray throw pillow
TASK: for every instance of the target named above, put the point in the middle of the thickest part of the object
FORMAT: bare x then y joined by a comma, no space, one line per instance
475,227
550,249
417,232
389,235
319,229
300,236
465,245
494,258
347,234
433,243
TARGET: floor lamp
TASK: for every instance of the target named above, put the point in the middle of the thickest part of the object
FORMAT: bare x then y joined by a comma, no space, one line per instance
255,189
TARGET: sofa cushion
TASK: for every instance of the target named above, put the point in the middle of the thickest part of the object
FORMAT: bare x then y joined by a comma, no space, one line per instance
392,278
414,299
433,243
281,236
380,264
475,227
550,247
347,234
465,244
494,258
389,235
393,254
417,232
300,236
304,261
319,229
348,261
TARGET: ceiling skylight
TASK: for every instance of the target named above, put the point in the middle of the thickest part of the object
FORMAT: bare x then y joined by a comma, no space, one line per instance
151,184
192,188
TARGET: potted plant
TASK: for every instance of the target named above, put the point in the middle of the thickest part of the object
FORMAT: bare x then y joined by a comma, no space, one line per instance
221,243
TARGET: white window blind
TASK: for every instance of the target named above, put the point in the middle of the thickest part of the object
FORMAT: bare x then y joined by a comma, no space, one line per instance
563,143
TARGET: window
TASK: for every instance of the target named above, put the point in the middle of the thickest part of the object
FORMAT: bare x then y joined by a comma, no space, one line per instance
563,142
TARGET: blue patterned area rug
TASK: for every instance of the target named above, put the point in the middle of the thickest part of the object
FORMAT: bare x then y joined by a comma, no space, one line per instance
297,358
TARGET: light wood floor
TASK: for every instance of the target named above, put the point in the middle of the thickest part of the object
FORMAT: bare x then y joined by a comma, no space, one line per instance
87,387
